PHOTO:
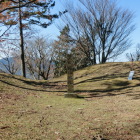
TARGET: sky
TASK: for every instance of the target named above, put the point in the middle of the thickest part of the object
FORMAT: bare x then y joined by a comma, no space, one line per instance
132,5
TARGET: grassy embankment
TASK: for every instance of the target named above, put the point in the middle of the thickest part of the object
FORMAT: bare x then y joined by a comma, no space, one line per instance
37,110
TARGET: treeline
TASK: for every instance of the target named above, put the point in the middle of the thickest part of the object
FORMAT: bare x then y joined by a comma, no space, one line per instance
94,32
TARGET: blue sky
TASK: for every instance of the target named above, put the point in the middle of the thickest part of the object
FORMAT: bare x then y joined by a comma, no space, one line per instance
132,5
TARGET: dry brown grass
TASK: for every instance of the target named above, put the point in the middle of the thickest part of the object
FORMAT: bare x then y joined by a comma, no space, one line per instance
37,110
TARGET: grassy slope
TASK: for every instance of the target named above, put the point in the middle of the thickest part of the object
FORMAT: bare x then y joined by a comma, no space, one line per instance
37,110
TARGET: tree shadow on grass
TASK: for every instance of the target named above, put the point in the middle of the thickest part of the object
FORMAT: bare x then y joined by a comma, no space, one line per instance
121,86
111,92
31,82
104,77
31,89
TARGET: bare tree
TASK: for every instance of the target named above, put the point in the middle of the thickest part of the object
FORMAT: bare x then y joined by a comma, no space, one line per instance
101,28
135,56
138,52
3,32
39,58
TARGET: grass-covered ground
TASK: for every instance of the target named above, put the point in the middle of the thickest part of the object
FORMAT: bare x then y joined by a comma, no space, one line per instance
37,110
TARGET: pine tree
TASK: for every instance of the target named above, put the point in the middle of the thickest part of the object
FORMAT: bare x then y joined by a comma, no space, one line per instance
61,48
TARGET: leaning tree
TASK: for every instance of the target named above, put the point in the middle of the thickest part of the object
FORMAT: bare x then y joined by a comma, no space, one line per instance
24,13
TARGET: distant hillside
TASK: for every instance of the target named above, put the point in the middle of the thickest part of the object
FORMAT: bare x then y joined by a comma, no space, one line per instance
2,68
4,62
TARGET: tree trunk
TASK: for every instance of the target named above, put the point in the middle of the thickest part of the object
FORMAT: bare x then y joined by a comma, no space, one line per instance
49,68
94,57
21,42
103,58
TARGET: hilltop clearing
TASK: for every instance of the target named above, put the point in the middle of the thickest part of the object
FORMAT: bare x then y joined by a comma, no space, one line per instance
37,110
